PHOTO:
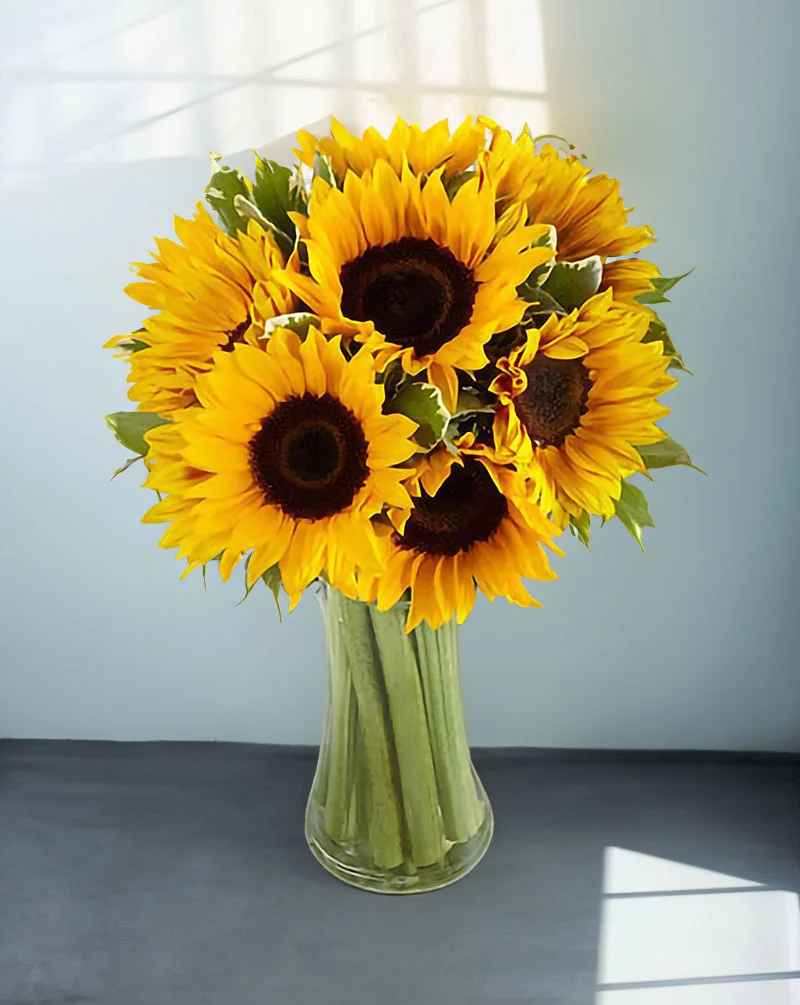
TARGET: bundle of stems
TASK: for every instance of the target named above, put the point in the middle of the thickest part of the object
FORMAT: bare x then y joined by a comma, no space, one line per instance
395,784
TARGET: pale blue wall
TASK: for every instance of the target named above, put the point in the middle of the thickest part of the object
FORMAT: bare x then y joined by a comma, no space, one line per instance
107,112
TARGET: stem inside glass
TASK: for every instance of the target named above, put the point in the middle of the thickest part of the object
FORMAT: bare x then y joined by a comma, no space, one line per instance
396,805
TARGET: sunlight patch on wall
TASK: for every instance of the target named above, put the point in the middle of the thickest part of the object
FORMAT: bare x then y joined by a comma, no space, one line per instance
133,80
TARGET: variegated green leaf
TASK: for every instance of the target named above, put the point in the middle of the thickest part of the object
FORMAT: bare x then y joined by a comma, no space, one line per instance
322,169
540,300
423,403
248,210
276,195
298,322
572,283
225,184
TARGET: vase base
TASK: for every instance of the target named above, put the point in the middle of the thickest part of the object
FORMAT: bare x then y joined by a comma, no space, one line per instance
460,859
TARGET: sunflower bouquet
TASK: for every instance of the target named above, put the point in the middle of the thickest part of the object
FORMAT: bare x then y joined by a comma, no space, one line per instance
399,369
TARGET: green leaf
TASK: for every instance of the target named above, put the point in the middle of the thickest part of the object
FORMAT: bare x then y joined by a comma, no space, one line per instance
581,527
666,454
572,283
548,239
132,344
541,302
226,183
130,427
276,196
393,377
657,332
470,402
272,579
298,322
455,182
248,210
322,169
422,403
661,285
632,510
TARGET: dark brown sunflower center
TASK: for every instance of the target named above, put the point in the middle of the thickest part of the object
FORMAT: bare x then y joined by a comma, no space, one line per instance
236,335
415,292
552,404
310,457
467,509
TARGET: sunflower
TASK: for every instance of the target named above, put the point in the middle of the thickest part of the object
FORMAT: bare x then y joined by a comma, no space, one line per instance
286,456
425,150
587,212
418,278
472,523
211,292
575,400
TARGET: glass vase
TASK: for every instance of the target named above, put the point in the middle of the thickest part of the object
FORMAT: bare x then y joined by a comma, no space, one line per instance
396,805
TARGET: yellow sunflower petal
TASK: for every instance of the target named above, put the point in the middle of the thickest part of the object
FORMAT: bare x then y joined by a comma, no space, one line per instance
211,291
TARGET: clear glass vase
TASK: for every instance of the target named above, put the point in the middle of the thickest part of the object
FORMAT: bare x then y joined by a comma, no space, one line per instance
396,805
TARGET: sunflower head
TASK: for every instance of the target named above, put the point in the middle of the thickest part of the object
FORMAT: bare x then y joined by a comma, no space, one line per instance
576,399
416,276
472,523
424,150
210,292
286,457
556,188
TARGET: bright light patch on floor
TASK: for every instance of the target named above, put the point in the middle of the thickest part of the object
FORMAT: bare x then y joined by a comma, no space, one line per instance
632,872
651,933
781,992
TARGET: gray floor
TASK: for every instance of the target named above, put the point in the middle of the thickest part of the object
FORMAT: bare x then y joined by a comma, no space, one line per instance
142,874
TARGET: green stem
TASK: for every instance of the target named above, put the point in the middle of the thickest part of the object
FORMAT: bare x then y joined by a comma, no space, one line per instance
340,772
470,799
360,805
462,808
411,739
342,727
384,817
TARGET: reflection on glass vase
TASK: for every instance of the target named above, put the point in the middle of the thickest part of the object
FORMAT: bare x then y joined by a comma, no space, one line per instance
396,805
